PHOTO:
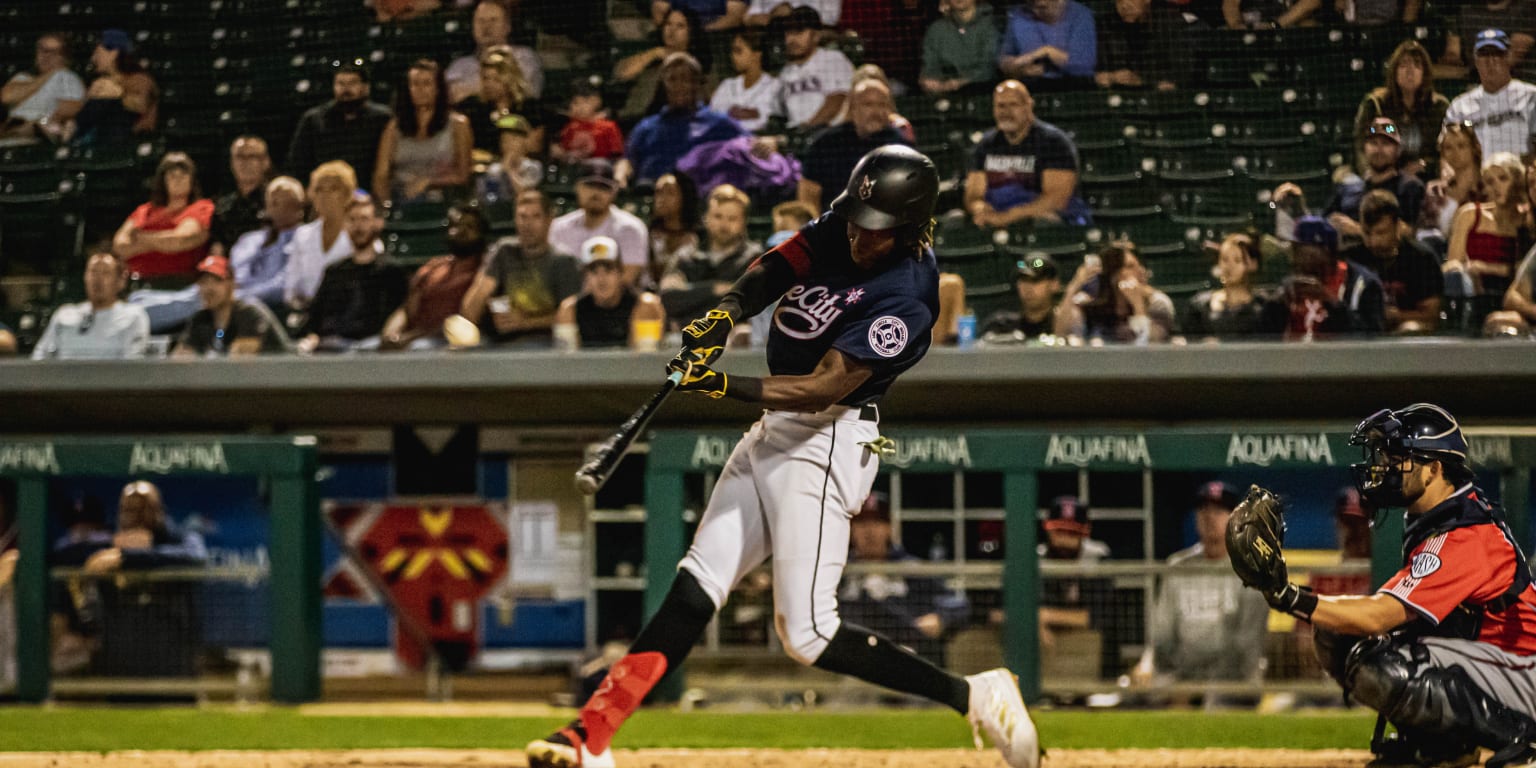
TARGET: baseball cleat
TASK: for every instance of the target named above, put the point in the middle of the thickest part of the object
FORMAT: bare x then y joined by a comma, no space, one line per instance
1518,755
1400,753
998,709
565,748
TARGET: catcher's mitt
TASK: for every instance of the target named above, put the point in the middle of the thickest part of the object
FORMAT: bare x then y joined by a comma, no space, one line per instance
1255,535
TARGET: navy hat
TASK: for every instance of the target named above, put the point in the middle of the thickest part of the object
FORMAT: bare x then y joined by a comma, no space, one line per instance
117,40
1315,230
1036,265
597,170
1217,492
802,17
1067,514
1491,38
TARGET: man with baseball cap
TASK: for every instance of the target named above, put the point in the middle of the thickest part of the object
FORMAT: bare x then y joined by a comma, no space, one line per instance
607,313
1501,109
227,326
1037,281
815,79
1325,294
596,188
1382,147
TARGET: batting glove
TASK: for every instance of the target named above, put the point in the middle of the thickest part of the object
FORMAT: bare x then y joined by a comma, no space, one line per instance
704,339
698,377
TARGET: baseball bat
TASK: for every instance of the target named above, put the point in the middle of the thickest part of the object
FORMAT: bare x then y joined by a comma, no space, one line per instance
595,473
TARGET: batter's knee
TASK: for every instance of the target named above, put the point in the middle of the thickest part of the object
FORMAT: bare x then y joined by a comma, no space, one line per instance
710,586
803,641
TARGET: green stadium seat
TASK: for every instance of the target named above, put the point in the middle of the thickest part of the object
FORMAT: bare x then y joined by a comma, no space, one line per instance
1222,201
1059,241
1094,135
1163,105
1111,167
1125,204
1193,167
986,300
414,247
965,250
1248,103
1278,132
416,217
1154,237
1080,106
1183,133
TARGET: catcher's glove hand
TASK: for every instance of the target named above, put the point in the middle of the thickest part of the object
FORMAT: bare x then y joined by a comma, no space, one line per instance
1255,534
698,377
704,339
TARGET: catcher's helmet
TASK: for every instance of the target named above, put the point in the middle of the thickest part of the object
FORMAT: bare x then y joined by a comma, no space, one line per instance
892,186
1421,431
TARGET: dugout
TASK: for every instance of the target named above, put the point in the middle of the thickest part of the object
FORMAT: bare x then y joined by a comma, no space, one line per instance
1010,474
286,466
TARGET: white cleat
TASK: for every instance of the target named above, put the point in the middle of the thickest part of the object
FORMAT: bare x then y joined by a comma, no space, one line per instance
998,709
565,749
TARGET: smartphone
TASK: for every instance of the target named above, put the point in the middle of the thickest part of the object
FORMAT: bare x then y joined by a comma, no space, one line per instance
1092,260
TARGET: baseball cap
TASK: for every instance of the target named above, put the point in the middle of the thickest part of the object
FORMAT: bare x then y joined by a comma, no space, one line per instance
512,124
599,249
1491,38
1217,492
1383,127
1067,514
356,65
876,508
116,40
597,171
218,266
802,17
1036,265
1315,230
1347,504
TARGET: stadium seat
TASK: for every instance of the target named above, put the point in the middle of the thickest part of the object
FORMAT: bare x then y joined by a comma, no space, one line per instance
1125,204
1095,135
1248,103
966,250
1271,133
1194,167
985,300
1154,237
1164,105
1058,241
414,247
1080,106
1111,167
1182,133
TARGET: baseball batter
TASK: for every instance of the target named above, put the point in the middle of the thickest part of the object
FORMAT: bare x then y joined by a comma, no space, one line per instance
857,294
1446,649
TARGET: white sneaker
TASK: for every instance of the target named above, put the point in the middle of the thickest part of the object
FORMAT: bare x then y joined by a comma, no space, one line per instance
998,709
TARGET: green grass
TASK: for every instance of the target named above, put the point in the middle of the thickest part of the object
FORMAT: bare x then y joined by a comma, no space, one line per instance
100,729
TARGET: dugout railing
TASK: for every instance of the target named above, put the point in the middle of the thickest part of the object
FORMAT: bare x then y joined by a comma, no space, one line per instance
679,466
39,468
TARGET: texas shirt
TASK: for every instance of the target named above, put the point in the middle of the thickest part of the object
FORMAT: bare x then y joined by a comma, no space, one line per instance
882,318
1475,563
807,85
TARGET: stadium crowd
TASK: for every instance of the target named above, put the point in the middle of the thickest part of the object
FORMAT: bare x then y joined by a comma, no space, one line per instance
500,200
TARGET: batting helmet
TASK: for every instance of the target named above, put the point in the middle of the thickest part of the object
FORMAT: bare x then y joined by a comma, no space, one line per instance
893,186
1421,431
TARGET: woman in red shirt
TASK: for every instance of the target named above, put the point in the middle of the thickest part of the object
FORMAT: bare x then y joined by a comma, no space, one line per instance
168,235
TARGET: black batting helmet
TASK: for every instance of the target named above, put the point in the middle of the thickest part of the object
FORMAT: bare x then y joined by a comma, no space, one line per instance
893,186
1421,431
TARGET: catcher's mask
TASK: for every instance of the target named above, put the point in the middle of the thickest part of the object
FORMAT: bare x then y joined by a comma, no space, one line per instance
1421,432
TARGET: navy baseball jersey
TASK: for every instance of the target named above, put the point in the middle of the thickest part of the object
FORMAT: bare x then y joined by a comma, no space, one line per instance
882,318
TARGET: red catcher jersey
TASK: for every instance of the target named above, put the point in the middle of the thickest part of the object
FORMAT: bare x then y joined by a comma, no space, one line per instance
1471,564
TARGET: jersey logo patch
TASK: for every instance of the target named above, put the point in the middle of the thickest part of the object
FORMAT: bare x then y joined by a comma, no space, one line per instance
888,336
806,313
1424,564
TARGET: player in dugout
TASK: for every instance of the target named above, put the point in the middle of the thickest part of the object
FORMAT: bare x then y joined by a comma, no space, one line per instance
860,291
1445,650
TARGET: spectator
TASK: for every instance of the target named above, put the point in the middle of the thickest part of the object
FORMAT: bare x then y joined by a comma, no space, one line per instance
834,152
1114,302
1268,14
1069,532
358,293
1232,311
403,10
1051,44
607,313
102,326
1024,168
1486,238
1519,314
864,72
674,226
1461,180
683,122
1410,274
1501,109
597,215
1073,603
1143,44
753,96
1375,13
960,48
437,289
761,12
1517,17
891,32
588,132
1410,101
226,325
426,147
7,341
167,236
1383,147
680,33
1036,282
697,281
503,91
788,218
524,280
239,211
815,79
259,260
715,15
346,128
514,171
913,611
492,29
42,105
122,101
1325,295
1205,625
321,242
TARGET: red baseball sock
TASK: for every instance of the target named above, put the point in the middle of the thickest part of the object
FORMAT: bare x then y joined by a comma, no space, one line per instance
628,681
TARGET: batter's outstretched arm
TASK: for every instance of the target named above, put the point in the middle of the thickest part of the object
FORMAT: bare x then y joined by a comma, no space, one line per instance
763,283
834,378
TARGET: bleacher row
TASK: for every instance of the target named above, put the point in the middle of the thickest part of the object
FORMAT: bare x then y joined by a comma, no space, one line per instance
1169,170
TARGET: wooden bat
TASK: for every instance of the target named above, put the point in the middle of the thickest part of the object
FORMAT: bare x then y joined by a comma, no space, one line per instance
595,473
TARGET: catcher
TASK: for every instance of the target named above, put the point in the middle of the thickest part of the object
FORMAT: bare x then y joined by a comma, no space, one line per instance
1446,649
